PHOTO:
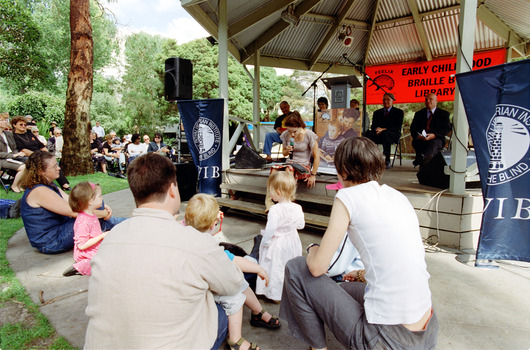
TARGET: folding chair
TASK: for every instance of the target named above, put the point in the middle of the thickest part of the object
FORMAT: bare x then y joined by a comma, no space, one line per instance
396,150
7,176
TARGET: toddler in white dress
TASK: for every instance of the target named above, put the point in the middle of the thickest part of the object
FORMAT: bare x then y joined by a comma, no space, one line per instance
281,241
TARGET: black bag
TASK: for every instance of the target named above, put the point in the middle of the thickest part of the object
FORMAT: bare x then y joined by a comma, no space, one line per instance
247,158
14,210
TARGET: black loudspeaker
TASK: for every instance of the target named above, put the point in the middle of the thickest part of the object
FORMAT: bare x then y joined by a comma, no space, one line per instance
187,180
247,158
432,173
178,79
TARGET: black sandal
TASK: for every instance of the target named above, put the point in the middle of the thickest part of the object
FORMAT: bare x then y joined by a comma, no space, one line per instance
257,321
71,271
235,346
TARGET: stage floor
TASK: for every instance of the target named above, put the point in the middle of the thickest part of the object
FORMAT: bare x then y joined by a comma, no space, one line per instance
445,218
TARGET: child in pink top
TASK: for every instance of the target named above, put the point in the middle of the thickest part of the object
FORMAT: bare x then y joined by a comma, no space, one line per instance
84,199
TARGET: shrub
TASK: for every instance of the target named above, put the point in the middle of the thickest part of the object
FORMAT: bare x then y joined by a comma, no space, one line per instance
42,106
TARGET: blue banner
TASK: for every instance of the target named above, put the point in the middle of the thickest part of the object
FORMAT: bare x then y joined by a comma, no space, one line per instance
497,103
203,125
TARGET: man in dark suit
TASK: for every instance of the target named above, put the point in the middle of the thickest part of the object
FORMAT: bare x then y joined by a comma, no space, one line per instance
386,126
428,130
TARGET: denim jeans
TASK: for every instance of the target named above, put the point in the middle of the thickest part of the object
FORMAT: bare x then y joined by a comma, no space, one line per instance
222,327
270,138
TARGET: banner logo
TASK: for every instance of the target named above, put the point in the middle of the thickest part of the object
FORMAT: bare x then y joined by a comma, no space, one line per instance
508,137
206,136
383,81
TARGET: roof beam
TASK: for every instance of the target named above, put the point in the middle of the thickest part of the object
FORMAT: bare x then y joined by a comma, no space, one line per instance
372,29
494,23
326,18
420,30
357,24
210,26
257,15
278,27
422,14
331,33
289,63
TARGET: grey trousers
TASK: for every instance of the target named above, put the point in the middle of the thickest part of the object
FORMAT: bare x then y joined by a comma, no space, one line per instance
310,302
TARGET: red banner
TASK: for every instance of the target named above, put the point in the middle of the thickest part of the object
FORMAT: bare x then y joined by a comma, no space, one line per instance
410,82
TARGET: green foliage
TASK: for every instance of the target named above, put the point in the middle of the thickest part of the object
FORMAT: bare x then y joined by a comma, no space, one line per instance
271,90
142,83
300,81
53,18
41,105
204,57
21,65
35,49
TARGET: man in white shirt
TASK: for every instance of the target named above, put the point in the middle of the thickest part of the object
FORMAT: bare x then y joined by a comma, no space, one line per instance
98,129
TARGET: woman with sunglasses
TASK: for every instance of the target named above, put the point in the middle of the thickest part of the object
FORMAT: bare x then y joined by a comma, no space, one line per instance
28,143
158,145
35,131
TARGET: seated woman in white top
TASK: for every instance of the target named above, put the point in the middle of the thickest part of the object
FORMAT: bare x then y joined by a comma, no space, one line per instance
135,149
386,306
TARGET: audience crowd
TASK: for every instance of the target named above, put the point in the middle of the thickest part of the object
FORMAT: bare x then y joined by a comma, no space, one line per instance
197,275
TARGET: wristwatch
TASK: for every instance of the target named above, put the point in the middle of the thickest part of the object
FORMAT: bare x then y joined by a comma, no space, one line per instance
311,245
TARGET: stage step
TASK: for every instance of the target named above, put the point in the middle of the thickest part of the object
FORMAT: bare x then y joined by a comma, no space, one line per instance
310,219
300,196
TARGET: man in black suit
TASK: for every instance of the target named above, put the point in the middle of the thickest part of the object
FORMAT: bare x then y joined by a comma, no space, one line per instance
428,130
386,126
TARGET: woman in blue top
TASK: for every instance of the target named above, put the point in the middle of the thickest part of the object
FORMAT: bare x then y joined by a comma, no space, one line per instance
48,219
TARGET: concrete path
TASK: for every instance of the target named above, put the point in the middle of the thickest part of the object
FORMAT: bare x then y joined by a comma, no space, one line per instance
477,309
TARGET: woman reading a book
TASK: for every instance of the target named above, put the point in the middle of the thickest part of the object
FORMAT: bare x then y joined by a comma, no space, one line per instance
300,144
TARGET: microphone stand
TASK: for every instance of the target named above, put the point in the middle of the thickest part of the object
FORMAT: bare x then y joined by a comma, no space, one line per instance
314,86
361,69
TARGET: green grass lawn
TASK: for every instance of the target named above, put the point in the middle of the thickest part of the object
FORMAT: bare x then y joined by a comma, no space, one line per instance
37,332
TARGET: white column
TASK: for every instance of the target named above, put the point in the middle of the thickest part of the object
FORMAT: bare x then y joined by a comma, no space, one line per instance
464,58
256,109
223,76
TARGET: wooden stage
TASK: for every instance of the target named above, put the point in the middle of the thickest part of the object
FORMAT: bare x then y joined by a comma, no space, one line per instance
445,218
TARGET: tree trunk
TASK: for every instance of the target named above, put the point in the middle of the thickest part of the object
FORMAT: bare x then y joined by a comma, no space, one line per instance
76,158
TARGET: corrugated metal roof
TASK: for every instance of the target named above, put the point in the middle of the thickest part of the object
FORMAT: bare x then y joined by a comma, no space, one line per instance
513,13
393,38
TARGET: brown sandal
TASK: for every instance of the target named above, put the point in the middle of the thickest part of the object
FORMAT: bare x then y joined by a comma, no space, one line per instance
257,321
235,346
